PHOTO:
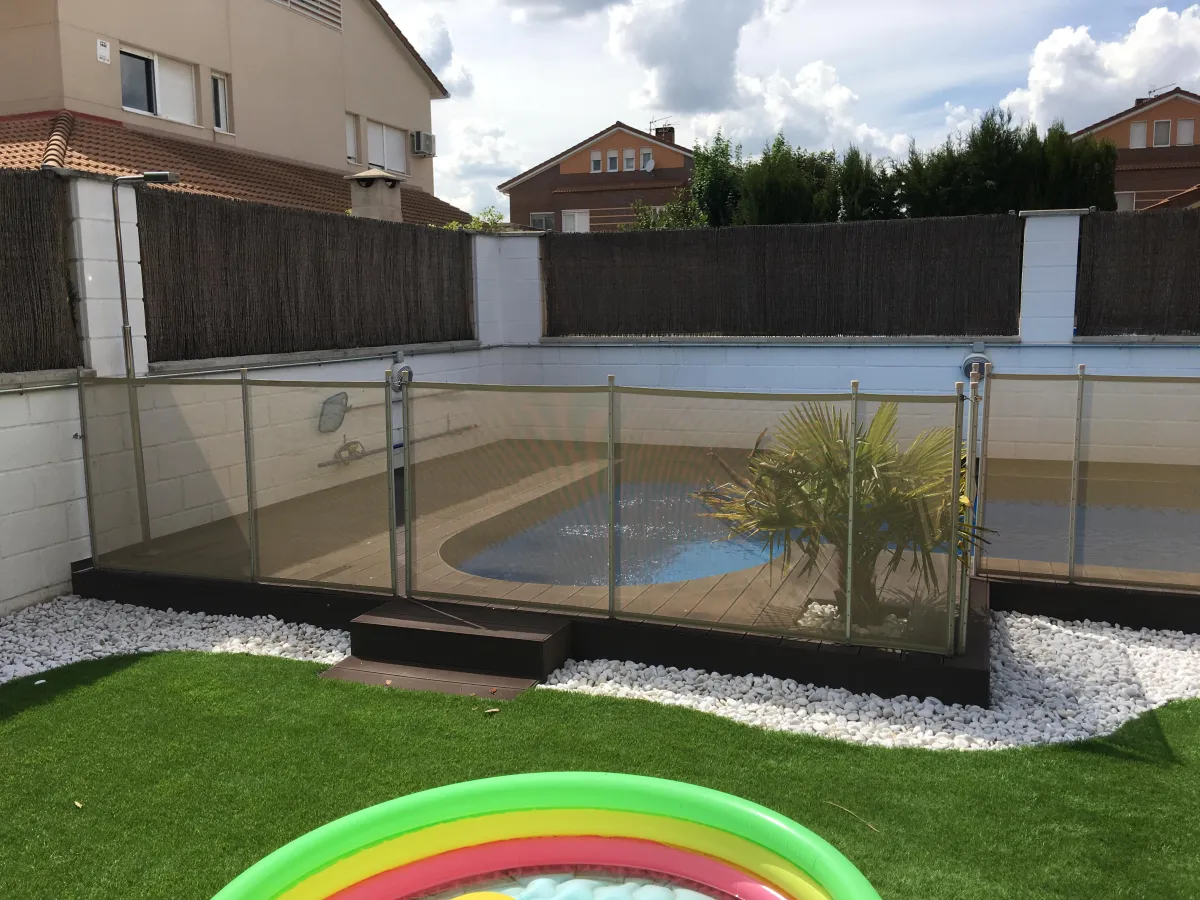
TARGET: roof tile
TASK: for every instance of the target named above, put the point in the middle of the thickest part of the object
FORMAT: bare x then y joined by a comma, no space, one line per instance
110,148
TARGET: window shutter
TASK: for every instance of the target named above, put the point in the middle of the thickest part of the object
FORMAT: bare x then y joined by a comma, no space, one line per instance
327,11
375,146
1137,135
351,137
394,150
176,91
1185,133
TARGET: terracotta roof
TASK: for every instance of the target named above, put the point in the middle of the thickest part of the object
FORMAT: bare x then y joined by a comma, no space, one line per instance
103,147
1188,199
618,125
1137,108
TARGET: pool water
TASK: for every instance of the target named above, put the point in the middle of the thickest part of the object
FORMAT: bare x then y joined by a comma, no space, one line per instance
1133,537
662,535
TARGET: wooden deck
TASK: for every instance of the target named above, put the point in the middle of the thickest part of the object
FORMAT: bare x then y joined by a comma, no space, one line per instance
338,538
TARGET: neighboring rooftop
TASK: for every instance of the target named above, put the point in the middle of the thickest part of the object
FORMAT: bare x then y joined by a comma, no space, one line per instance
67,140
1140,105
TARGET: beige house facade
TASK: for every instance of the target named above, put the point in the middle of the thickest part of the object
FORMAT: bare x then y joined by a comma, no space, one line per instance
331,84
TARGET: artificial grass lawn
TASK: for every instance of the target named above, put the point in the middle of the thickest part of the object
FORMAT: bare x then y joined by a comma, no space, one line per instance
190,767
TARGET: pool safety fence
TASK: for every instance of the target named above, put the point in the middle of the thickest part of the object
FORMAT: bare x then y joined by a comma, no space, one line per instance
837,517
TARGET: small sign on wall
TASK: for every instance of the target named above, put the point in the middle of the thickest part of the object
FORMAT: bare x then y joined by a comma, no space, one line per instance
103,51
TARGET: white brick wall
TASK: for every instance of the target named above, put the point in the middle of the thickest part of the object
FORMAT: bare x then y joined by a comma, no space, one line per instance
43,513
92,255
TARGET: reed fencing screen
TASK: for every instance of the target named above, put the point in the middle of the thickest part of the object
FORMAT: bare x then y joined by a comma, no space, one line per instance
37,325
227,278
1139,273
949,276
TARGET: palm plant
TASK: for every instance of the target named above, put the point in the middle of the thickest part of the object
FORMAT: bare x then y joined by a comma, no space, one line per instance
797,491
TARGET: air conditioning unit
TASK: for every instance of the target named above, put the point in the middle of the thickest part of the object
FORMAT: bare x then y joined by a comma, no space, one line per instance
424,144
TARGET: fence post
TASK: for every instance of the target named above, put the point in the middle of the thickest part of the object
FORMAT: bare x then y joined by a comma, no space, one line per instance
87,470
952,573
391,481
1075,475
964,602
850,495
981,487
612,496
251,503
406,413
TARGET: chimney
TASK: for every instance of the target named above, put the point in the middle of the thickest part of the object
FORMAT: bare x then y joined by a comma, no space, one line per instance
665,133
375,194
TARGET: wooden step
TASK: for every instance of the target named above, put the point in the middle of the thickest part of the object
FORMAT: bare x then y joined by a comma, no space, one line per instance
463,638
418,678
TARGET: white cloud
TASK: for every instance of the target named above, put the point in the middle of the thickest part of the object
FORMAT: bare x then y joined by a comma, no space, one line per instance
435,46
556,9
813,110
687,47
959,119
482,156
1080,80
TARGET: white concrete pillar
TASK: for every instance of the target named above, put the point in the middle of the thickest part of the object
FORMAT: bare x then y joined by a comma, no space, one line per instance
1048,269
92,259
508,288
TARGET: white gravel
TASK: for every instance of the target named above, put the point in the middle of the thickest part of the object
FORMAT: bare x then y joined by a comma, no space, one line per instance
1052,681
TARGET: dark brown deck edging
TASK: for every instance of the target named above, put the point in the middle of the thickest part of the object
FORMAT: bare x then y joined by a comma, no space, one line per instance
1129,607
887,673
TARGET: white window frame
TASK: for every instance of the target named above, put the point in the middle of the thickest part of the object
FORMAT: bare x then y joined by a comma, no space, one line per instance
1130,204
353,154
647,155
221,102
614,161
629,163
575,213
1154,133
404,139
597,162
1133,145
1179,130
532,224
154,59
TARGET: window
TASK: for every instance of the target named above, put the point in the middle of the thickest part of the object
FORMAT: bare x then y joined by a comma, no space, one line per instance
158,86
1185,132
647,158
1162,133
386,147
612,160
137,82
1125,201
351,138
1137,135
596,163
220,86
542,221
630,160
576,220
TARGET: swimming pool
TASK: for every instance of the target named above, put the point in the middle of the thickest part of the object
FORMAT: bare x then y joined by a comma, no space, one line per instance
1133,537
662,536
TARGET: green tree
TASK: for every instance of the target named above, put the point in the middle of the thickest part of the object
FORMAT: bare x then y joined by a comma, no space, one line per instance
681,212
488,220
717,180
784,186
868,188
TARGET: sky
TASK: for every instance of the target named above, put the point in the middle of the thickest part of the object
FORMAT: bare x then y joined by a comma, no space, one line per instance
529,78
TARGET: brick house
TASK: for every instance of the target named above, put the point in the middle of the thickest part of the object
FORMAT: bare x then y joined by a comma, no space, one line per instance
275,101
1157,153
593,185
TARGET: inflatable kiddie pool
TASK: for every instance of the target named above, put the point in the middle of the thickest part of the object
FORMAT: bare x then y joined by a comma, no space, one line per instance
558,836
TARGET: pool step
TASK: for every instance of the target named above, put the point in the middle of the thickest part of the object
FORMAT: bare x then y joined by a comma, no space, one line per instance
463,638
420,678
